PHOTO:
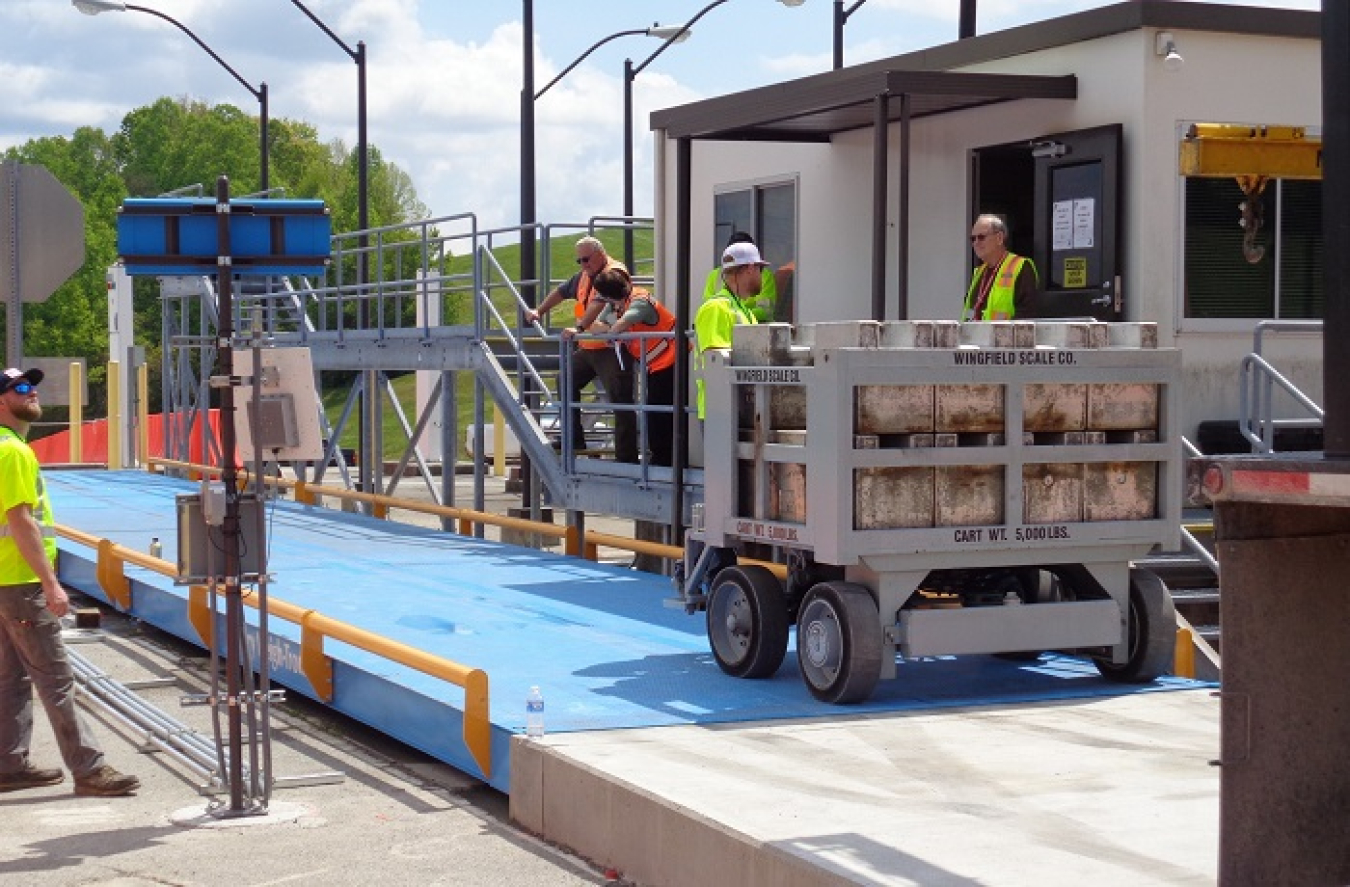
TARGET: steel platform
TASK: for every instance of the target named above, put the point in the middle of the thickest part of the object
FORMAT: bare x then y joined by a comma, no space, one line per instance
597,638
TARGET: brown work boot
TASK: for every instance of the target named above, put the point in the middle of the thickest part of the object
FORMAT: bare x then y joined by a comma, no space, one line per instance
105,782
29,777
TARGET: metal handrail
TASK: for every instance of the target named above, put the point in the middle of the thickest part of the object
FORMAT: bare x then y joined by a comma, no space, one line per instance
1197,548
1258,427
314,627
1257,382
506,327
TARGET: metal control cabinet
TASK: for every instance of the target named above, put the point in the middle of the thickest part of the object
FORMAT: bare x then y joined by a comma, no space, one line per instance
936,488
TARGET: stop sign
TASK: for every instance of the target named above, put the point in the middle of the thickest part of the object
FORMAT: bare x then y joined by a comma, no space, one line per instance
45,223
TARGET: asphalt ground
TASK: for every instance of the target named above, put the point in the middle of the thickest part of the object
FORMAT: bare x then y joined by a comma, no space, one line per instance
396,817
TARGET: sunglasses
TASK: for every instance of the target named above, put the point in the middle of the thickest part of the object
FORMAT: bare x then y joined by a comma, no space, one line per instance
581,260
979,238
22,388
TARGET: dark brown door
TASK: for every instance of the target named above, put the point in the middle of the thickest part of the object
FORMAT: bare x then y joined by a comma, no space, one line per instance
1077,221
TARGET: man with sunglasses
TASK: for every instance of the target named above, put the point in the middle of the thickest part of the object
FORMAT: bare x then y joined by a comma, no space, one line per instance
32,654
1004,284
593,358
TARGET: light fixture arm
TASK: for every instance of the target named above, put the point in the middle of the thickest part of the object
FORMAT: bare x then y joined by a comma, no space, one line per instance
581,58
89,7
355,55
676,37
256,93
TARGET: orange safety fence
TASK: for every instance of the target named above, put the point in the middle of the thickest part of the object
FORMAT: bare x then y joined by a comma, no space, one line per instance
55,448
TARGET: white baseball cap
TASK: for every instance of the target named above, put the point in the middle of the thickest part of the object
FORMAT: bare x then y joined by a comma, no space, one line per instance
738,254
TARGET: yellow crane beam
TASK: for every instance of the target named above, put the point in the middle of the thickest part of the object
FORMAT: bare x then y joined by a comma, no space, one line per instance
1221,150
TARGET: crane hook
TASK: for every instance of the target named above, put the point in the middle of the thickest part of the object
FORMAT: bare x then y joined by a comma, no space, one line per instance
1253,216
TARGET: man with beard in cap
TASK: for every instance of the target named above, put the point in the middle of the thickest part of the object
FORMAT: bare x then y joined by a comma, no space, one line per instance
32,654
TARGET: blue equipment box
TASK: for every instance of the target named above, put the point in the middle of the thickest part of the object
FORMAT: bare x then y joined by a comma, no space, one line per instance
180,236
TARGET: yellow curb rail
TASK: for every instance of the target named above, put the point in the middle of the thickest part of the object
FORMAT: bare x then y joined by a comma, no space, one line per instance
314,629
574,543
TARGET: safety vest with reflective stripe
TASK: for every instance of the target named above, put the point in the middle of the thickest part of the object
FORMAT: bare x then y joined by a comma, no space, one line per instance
586,289
1001,304
21,483
660,351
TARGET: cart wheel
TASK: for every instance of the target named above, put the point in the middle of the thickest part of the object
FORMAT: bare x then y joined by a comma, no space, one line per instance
839,642
1152,632
747,622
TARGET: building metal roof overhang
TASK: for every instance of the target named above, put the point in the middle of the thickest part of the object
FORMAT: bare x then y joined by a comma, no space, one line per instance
813,109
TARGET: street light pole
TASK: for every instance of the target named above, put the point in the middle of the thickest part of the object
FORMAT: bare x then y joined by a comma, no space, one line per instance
841,16
94,7
370,396
357,55
672,35
630,72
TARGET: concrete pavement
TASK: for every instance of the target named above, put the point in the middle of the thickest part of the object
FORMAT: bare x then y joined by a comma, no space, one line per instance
397,818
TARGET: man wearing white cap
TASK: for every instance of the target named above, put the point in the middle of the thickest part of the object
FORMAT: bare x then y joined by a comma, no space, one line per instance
32,654
742,269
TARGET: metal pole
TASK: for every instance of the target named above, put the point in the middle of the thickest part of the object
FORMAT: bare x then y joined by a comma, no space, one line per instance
683,210
841,17
13,303
966,26
528,267
369,412
902,211
628,162
264,181
1336,224
234,603
260,94
838,34
880,164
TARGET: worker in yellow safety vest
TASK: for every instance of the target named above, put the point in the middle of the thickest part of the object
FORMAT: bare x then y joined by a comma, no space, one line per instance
763,306
742,278
32,601
1004,284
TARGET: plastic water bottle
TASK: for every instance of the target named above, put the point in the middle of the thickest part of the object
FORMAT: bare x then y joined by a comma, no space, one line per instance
534,714
156,550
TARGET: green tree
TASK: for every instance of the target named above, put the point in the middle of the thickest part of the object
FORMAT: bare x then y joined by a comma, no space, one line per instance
177,143
168,145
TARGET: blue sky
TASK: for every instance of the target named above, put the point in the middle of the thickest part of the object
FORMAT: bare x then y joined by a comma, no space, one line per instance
445,75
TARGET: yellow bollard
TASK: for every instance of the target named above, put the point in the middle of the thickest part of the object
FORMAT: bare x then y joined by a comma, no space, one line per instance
114,415
142,415
498,443
76,413
1184,665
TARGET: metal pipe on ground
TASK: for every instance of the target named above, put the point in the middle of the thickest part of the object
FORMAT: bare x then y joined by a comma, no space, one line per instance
105,688
156,728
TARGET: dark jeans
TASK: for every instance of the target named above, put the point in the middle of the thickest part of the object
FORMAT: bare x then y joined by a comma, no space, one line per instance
660,391
32,655
587,365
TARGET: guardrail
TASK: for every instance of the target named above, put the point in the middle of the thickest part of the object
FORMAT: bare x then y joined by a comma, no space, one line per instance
314,629
1259,381
575,543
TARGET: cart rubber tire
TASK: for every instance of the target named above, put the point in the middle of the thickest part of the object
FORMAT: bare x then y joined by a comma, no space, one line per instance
1151,632
839,642
747,622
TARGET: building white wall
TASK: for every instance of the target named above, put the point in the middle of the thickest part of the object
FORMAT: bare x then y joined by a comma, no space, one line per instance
1226,78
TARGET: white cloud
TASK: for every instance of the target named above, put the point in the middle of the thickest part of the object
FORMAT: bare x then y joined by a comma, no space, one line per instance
444,77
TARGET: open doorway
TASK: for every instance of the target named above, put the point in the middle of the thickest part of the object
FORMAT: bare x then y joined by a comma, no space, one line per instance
1060,195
